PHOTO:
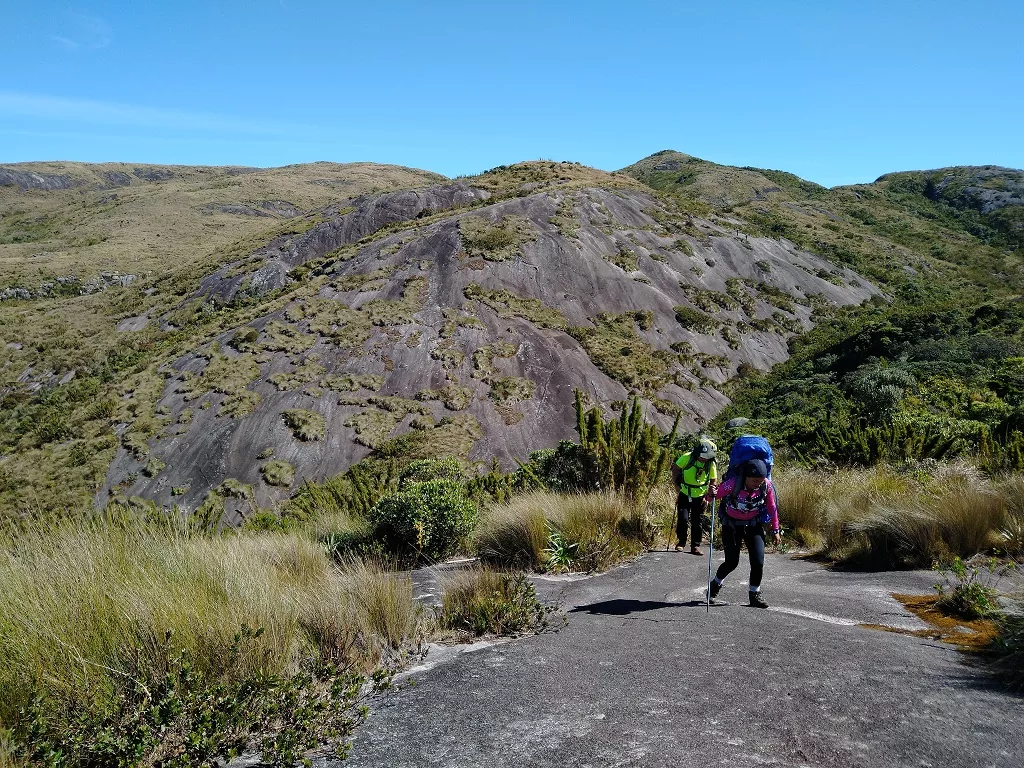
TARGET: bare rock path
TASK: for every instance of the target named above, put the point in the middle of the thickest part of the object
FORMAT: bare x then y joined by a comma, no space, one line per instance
643,676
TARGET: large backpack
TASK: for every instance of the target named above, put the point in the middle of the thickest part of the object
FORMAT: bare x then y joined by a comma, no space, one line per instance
746,448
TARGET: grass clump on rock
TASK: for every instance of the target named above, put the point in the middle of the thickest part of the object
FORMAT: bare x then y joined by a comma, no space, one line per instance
694,320
615,347
278,472
561,532
481,601
452,396
508,305
511,389
501,241
305,425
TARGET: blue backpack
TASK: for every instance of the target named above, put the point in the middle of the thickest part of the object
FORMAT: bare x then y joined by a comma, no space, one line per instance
746,448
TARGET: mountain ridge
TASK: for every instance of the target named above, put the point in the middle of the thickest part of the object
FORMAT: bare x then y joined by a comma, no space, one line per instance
702,282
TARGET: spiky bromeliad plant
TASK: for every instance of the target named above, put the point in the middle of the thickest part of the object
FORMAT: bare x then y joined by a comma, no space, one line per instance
629,453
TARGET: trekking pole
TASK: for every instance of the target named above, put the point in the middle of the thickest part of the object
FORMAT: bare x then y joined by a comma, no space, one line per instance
711,549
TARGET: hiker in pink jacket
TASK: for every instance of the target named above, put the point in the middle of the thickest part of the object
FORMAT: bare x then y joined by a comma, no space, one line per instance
747,504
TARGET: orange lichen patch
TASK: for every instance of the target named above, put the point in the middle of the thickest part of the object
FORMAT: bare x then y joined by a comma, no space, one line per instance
974,635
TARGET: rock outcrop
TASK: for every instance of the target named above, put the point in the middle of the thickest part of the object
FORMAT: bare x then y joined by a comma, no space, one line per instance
480,318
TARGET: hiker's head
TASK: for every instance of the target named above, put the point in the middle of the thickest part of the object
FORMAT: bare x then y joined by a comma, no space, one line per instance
707,450
754,472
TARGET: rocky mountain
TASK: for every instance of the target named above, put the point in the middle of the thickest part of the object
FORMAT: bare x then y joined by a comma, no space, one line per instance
406,314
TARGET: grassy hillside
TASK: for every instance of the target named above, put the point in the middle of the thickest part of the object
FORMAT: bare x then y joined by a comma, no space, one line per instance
454,315
78,220
280,325
933,373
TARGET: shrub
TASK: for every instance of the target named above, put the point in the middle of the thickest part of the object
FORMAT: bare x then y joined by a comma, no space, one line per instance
429,518
425,470
566,468
969,591
481,601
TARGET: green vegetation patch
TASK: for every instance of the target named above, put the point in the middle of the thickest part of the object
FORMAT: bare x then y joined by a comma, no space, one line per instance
310,370
624,258
483,358
565,218
776,297
278,473
383,312
709,301
224,374
501,241
363,280
694,320
351,382
305,425
449,353
278,336
242,404
615,347
511,389
507,305
374,425
452,396
348,329
453,320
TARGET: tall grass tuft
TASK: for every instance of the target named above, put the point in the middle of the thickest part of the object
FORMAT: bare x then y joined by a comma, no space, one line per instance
483,601
590,531
802,505
91,611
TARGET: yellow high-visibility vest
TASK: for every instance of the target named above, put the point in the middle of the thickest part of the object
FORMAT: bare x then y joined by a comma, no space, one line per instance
698,477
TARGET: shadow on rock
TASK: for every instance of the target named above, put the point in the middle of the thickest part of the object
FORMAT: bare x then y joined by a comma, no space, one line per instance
620,607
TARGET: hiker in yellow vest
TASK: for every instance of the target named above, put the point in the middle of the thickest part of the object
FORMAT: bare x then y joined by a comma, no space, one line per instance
695,474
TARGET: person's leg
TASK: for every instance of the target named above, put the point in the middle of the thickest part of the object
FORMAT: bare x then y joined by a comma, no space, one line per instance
731,544
755,546
682,519
698,507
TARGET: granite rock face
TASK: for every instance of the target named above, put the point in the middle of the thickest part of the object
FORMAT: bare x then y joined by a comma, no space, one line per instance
381,333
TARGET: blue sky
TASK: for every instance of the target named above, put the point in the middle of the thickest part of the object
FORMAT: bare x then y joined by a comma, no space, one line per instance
836,92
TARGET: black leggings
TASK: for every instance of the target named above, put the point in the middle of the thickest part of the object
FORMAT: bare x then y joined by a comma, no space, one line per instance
732,537
690,514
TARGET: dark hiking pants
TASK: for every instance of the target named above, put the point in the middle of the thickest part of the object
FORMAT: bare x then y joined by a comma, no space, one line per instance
732,537
690,512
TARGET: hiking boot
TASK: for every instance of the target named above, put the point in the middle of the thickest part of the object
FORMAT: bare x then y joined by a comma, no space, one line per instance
756,601
696,551
715,589
679,548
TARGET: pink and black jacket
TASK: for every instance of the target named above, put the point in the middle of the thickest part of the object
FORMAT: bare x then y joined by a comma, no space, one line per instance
749,507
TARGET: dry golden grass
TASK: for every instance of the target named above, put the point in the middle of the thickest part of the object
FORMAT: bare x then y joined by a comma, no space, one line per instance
145,226
85,608
582,532
483,601
881,517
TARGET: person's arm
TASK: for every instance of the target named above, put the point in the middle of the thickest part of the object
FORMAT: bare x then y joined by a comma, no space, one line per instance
773,512
677,475
713,485
725,488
